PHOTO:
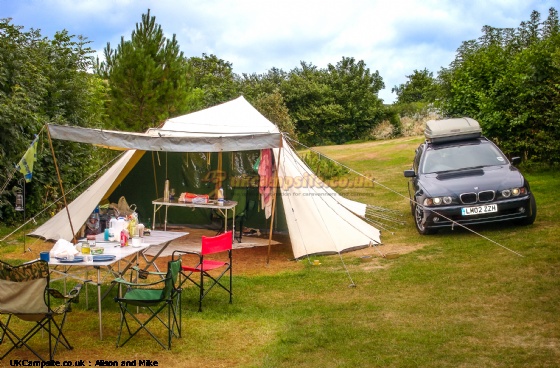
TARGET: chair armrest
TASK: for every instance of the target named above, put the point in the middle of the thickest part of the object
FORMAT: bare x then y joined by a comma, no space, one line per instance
192,252
138,269
71,297
133,284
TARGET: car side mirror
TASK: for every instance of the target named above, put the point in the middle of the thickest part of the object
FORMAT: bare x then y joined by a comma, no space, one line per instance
409,174
515,160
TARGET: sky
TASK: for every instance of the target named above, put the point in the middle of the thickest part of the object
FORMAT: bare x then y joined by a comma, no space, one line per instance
392,37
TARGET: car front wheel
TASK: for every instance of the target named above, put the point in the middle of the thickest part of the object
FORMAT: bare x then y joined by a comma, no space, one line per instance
418,217
529,220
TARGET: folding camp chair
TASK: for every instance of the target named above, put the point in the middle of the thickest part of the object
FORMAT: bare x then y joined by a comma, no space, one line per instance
240,196
155,300
25,293
211,246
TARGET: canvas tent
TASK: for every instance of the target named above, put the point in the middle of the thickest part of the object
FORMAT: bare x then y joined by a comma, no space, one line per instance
319,221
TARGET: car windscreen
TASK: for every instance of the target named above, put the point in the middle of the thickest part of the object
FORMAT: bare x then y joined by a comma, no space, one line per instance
460,157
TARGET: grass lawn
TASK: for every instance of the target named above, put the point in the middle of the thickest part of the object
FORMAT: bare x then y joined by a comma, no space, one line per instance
457,299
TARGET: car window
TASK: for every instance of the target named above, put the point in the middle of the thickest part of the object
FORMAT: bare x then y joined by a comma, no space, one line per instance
457,157
417,157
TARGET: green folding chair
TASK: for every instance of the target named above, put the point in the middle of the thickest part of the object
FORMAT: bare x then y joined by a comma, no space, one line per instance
239,195
25,294
164,294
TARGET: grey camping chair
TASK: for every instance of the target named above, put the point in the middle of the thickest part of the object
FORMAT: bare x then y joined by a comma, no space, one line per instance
25,294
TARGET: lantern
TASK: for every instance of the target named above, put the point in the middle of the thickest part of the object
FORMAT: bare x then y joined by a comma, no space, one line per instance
20,205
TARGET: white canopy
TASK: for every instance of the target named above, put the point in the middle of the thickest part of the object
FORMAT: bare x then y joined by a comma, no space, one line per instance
319,220
235,126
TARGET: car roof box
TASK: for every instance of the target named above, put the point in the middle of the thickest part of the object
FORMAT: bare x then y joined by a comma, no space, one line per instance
447,130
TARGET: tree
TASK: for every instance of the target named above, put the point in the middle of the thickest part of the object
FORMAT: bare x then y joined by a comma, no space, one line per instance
147,76
214,78
508,80
310,103
45,81
333,105
420,87
272,106
356,91
254,85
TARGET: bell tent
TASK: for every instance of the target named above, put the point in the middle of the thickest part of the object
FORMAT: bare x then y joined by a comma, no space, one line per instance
318,220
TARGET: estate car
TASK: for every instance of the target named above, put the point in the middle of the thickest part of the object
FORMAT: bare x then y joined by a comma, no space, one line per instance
460,177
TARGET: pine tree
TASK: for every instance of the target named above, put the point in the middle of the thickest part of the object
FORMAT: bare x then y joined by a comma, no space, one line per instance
146,76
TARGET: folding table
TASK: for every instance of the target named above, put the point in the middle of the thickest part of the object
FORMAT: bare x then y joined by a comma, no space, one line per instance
124,256
222,208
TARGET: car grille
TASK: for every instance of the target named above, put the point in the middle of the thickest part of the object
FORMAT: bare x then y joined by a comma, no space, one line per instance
471,198
486,196
468,198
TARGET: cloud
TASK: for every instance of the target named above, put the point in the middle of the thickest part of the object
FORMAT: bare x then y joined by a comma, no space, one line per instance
393,37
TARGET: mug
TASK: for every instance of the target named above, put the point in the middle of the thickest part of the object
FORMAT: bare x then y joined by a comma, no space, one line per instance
45,256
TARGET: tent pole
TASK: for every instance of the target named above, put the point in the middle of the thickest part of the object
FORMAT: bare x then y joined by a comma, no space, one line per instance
219,176
61,187
273,204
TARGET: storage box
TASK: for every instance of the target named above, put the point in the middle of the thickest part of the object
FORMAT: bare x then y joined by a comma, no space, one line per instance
447,130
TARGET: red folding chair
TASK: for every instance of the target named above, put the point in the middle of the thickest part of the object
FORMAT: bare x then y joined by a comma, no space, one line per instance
206,262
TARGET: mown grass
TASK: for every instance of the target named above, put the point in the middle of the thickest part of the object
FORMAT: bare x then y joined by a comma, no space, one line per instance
459,300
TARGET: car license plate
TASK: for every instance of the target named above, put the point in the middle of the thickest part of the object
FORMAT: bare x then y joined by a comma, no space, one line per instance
489,208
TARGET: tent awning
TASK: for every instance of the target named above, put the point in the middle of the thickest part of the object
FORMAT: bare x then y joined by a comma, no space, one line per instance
158,140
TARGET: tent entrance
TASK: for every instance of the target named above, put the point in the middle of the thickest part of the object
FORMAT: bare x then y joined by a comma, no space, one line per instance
194,173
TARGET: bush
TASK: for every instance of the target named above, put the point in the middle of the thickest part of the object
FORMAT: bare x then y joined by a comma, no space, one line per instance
323,167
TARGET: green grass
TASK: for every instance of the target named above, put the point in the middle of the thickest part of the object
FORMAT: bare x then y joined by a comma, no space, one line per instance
459,300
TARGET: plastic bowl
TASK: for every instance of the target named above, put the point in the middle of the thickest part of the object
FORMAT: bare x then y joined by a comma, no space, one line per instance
97,250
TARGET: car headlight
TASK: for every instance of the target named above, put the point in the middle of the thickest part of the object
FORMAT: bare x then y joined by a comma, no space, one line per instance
513,192
437,201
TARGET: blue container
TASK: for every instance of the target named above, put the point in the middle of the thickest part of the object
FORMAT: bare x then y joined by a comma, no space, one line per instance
45,256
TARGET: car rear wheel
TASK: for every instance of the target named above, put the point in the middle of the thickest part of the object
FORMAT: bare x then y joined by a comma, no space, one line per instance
418,217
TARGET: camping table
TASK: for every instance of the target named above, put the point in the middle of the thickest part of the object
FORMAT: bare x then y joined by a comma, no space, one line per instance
223,209
125,256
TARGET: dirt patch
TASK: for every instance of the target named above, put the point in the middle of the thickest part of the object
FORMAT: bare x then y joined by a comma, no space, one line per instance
252,256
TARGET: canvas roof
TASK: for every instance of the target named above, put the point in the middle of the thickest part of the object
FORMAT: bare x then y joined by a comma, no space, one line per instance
319,220
234,126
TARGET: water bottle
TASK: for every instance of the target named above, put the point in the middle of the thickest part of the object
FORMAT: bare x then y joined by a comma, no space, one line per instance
221,197
113,229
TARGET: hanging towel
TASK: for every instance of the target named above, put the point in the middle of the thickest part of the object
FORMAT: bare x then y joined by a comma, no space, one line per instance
266,178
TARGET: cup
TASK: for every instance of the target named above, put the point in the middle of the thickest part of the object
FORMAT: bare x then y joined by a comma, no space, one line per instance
136,241
45,256
88,258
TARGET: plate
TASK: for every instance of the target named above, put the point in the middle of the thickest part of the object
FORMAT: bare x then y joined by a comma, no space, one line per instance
103,257
75,260
489,208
